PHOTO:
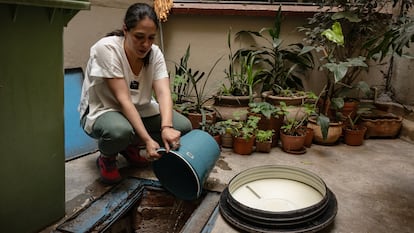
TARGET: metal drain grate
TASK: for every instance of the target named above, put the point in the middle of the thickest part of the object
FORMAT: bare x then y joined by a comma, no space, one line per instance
142,205
100,214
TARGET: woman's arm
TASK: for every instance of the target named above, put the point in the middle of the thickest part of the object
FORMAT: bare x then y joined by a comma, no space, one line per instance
120,90
169,135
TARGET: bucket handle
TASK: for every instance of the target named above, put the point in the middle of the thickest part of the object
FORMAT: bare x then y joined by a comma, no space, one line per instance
189,154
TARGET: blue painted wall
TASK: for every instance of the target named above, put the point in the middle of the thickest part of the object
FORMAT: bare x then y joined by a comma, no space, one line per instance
77,142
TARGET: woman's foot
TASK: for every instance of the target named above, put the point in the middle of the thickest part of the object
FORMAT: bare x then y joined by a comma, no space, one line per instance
133,155
108,169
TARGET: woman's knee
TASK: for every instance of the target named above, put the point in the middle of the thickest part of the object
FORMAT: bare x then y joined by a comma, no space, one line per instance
182,123
119,132
113,126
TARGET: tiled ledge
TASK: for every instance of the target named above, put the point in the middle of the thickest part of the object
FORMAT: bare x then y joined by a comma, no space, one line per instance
240,9
290,8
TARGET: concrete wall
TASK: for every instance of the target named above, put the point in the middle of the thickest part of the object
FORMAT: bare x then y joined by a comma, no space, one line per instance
403,80
207,36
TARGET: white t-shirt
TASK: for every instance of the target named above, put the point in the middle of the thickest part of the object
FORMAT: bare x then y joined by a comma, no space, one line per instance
108,60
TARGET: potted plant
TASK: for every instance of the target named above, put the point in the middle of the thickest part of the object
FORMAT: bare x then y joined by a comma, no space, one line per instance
398,36
293,131
381,124
264,140
329,101
226,128
242,76
244,135
360,21
345,58
180,87
215,129
191,86
308,136
354,134
283,66
292,137
271,118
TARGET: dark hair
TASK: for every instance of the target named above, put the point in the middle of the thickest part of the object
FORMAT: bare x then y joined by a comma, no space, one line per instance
135,13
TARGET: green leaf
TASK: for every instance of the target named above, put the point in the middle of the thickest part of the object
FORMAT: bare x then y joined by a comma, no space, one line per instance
351,17
356,61
339,70
323,122
338,102
306,49
334,34
364,87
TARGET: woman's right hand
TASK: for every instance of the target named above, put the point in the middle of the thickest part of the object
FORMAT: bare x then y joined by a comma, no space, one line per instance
152,146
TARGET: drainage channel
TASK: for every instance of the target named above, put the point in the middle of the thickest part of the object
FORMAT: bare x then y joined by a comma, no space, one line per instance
141,205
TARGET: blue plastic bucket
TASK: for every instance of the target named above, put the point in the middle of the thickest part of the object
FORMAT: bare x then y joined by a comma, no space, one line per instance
184,171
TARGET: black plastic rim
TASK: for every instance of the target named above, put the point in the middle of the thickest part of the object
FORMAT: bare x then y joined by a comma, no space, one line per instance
277,220
283,172
323,220
308,219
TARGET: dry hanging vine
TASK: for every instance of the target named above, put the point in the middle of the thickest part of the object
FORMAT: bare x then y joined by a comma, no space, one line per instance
162,8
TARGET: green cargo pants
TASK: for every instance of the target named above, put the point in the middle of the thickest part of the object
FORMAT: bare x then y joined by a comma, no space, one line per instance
114,132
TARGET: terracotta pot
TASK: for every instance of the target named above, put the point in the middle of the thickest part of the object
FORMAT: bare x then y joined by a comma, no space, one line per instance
226,106
309,137
295,112
326,104
230,100
292,144
382,125
197,118
217,138
227,140
242,146
355,137
274,123
334,132
350,108
264,146
275,100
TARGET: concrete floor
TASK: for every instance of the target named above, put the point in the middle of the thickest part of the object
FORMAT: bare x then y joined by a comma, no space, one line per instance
373,183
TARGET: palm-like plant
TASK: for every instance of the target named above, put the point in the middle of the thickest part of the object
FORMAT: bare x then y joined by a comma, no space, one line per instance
250,73
281,64
180,85
189,88
242,73
400,34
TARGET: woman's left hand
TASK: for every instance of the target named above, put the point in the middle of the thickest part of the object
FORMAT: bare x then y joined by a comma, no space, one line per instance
171,138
